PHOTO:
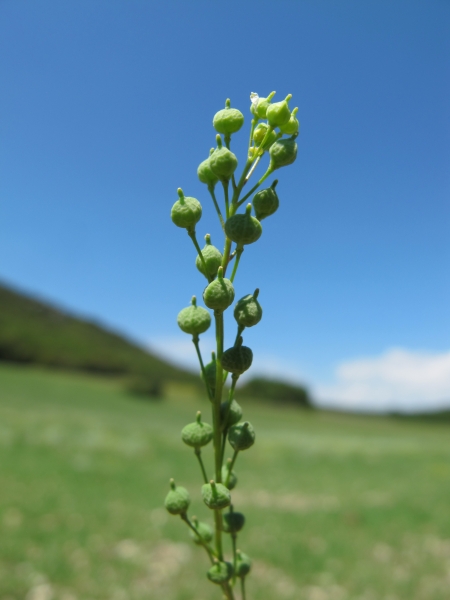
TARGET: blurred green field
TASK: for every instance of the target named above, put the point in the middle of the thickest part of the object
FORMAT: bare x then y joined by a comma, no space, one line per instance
338,507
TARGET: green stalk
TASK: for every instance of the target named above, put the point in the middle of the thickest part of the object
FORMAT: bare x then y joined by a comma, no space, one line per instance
214,199
217,439
191,234
198,454
239,251
227,201
205,546
195,340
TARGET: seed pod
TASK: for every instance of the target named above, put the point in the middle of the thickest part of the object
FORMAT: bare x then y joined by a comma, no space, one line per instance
265,202
186,211
219,294
234,413
210,372
222,161
177,500
194,319
233,522
282,153
243,564
292,126
259,106
204,172
243,228
220,572
233,477
215,495
197,434
203,530
228,120
260,133
237,359
278,113
241,436
212,257
248,311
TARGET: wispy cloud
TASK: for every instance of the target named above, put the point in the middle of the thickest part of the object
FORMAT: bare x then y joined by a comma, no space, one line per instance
180,349
399,379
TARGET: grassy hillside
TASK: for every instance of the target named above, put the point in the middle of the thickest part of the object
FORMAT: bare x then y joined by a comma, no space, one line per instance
35,332
338,507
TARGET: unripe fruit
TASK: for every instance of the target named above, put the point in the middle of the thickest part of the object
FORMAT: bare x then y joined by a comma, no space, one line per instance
228,120
212,257
241,436
215,495
197,434
243,228
186,211
222,161
278,113
234,413
203,530
210,372
237,359
219,294
292,126
260,133
204,172
243,564
194,319
220,572
248,311
233,522
282,153
177,500
259,106
266,202
233,478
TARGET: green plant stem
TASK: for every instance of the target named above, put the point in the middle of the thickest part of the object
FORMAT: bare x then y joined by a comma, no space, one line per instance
240,330
195,340
218,316
216,205
186,519
227,201
198,454
239,251
252,129
193,237
233,544
233,460
243,587
255,187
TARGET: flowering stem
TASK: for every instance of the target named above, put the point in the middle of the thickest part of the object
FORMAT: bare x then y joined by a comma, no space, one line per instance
195,340
233,460
225,192
193,237
198,454
205,546
239,251
214,199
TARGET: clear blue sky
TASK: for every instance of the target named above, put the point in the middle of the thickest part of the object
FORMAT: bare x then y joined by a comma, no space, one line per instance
106,108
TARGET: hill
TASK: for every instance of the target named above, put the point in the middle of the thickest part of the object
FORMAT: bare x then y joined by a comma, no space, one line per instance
274,390
32,331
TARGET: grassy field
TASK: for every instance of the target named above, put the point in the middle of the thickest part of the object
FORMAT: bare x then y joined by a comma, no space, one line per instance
338,507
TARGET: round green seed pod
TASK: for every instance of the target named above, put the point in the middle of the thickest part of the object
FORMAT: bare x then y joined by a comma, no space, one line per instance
197,434
194,319
292,126
278,114
220,572
233,522
212,257
203,530
177,500
210,372
215,495
243,228
219,294
282,153
259,106
266,202
228,120
234,413
248,311
241,436
204,172
233,477
222,161
243,564
260,133
237,359
186,211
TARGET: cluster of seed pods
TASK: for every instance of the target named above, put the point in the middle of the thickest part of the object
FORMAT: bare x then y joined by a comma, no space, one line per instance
270,122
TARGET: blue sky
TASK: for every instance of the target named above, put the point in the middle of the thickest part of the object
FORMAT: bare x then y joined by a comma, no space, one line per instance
107,108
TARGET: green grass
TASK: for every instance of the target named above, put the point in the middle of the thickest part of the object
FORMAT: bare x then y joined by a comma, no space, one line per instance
338,507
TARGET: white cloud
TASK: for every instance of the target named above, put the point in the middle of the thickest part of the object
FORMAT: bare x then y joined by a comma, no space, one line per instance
181,351
397,380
